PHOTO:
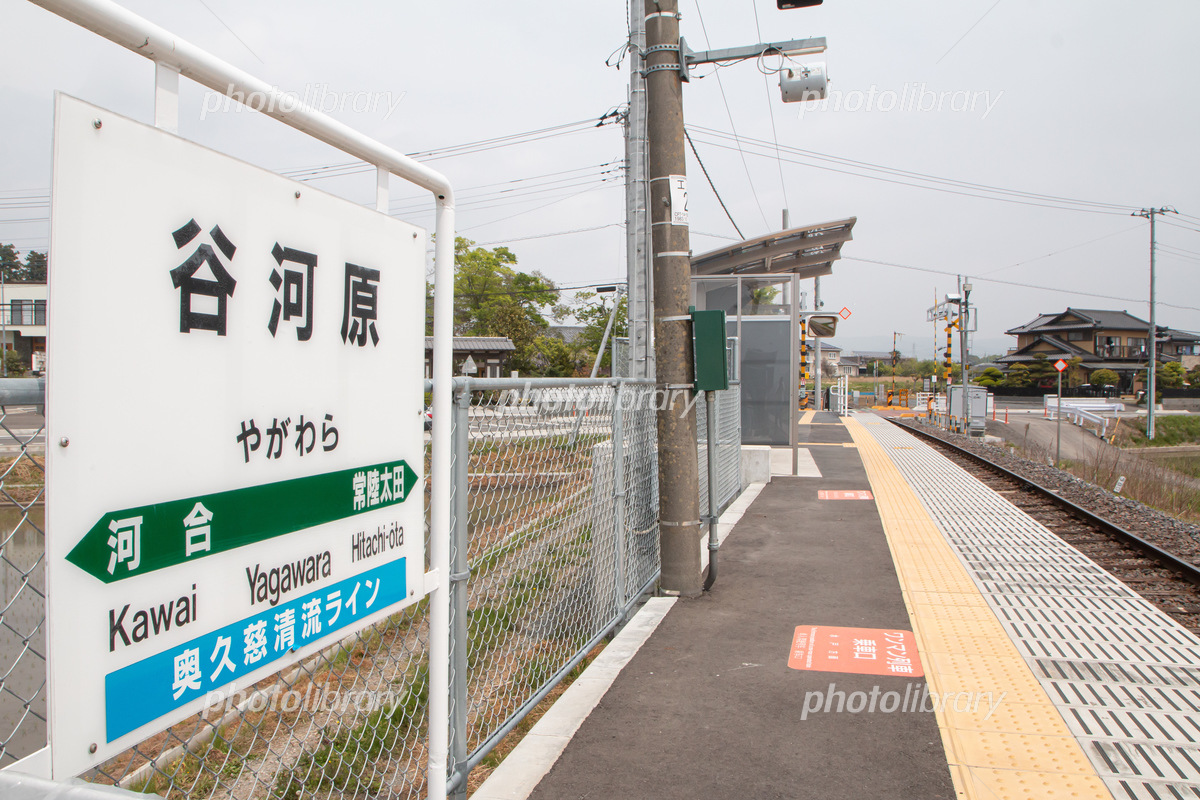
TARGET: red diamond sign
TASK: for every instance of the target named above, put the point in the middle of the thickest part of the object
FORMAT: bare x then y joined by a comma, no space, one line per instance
1060,365
844,313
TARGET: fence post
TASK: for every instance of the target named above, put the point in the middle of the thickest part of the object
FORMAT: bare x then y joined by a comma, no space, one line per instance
459,573
618,455
710,421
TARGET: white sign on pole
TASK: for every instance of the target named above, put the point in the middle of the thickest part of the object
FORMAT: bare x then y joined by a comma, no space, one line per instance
679,199
235,479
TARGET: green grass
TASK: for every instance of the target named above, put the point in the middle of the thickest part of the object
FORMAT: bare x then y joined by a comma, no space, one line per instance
344,762
1169,431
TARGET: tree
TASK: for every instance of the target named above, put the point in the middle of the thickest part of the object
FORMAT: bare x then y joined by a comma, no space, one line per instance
1075,372
1105,377
552,357
491,298
1169,375
1041,371
1018,377
594,313
35,267
485,281
761,295
32,270
990,377
10,263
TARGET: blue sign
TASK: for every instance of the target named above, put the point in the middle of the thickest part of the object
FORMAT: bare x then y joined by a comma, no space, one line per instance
140,693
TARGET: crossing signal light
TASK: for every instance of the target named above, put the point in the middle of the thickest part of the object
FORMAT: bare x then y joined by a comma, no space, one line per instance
783,5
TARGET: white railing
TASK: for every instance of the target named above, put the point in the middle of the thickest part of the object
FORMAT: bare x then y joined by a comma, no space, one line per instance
1082,410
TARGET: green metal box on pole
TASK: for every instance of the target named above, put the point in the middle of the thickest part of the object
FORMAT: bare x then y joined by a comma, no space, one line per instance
712,366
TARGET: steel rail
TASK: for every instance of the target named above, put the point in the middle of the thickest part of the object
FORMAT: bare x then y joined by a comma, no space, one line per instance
1185,569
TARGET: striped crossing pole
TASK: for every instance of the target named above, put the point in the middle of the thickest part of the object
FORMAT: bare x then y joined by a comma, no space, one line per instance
803,363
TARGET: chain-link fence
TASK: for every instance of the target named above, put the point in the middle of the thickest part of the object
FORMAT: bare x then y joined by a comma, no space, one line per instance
22,582
555,507
729,446
555,538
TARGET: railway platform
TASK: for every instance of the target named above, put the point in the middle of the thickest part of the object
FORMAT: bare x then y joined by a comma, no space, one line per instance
883,626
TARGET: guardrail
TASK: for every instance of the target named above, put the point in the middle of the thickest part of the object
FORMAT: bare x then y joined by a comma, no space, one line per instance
1080,411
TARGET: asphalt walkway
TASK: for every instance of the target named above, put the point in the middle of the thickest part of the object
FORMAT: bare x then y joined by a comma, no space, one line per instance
709,706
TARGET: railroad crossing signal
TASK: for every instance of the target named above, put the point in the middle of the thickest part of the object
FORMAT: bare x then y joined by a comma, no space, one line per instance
1060,365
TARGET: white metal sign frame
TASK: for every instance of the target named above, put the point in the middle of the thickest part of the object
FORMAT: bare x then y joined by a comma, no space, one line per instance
249,502
174,56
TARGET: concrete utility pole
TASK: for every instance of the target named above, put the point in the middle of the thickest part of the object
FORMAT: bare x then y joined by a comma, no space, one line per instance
1152,350
678,478
637,223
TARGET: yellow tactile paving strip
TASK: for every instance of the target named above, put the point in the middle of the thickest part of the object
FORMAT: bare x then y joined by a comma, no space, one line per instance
1021,750
807,417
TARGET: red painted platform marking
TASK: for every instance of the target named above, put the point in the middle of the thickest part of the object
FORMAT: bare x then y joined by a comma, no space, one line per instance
844,494
862,651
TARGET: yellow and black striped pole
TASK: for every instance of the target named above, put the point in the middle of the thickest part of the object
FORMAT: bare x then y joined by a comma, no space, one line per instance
803,364
949,364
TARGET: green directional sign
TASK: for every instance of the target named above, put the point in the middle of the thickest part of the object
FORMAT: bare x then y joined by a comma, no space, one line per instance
135,541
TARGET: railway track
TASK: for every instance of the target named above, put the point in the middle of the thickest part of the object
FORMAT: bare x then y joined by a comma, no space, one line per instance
1147,561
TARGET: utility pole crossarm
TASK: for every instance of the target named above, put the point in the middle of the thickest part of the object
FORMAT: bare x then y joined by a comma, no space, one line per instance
795,47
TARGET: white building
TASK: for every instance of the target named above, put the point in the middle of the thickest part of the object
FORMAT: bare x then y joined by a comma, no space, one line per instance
23,322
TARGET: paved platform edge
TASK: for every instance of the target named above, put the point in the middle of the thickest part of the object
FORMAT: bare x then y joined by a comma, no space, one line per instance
964,648
529,761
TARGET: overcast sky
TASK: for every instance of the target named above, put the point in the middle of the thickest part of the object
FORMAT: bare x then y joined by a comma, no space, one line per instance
1039,103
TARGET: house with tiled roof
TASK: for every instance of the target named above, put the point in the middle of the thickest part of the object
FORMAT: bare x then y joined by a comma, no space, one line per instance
1101,339
489,355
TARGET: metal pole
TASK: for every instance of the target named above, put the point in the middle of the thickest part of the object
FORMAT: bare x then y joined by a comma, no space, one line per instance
965,367
1058,424
607,330
618,453
637,233
796,372
679,501
710,420
4,316
820,404
460,571
1151,394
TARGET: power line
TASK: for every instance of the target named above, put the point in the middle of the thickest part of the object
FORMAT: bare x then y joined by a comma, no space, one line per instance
480,145
712,185
1006,283
729,113
1180,249
1174,224
530,210
549,235
978,191
973,27
913,174
770,110
1065,249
